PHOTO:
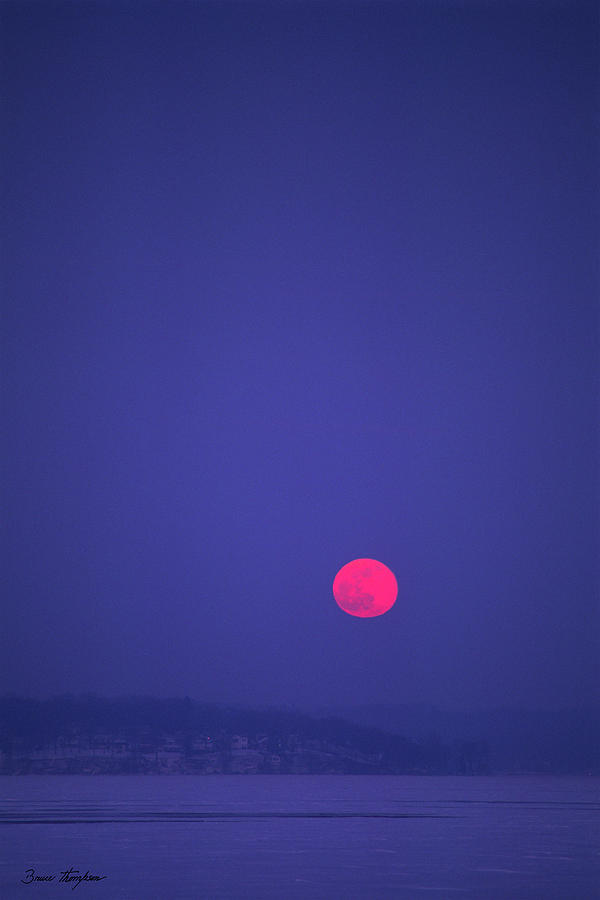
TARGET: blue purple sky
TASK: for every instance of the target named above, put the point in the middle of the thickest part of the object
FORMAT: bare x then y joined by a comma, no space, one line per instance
287,285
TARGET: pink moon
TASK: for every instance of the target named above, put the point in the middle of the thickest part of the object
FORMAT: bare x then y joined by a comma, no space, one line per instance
365,588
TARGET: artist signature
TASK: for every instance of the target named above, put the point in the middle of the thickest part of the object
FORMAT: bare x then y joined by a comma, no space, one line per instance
69,876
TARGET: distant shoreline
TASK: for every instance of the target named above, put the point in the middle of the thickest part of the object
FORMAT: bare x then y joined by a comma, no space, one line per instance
90,735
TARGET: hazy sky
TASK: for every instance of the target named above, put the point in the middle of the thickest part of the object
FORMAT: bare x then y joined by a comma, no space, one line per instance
287,285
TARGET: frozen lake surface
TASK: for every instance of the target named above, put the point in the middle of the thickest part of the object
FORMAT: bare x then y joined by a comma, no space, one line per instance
314,837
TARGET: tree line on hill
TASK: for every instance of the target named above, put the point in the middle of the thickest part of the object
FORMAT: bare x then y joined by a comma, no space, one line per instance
330,744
